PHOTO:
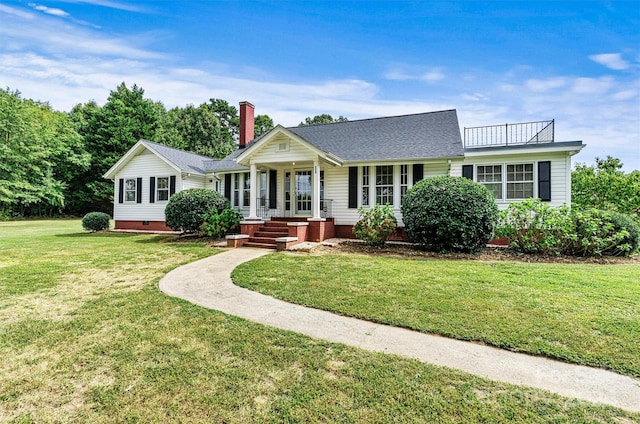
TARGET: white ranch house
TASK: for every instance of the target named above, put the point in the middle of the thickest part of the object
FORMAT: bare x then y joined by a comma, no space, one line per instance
308,182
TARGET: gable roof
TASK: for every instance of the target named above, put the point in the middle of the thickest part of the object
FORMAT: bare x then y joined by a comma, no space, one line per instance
180,160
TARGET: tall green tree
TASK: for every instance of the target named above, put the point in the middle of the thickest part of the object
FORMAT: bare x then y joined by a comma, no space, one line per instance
605,186
109,132
322,119
195,129
262,124
39,154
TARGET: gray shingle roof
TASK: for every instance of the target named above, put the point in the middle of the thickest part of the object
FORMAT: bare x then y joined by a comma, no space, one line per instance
417,136
186,161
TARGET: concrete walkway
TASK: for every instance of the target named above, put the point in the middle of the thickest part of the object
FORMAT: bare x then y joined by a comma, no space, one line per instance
207,283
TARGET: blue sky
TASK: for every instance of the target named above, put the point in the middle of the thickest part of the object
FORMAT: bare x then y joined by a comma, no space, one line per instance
495,62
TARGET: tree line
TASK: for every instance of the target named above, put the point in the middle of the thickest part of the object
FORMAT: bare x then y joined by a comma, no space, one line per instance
52,162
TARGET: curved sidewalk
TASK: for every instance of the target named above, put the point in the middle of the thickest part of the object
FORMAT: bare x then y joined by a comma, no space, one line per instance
207,283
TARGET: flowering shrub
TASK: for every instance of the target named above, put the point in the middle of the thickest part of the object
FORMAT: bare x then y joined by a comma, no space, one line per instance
376,225
533,227
217,224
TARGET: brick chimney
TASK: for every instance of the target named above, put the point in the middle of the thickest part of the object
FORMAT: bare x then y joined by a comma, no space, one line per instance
246,123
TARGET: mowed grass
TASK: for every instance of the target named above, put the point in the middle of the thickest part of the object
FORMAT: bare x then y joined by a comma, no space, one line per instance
583,313
86,336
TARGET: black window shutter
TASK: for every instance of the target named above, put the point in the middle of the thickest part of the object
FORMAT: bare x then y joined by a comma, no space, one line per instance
467,171
273,188
227,186
139,190
418,172
152,189
544,181
353,187
121,190
172,185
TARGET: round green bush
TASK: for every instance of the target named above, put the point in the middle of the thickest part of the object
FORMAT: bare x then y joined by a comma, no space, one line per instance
95,221
186,209
449,214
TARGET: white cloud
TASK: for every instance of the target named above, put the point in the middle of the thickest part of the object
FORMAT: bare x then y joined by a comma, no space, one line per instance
110,4
403,72
611,60
49,10
26,32
544,85
15,12
433,76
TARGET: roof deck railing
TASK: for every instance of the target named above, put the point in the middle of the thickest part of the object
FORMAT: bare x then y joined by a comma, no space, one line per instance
509,134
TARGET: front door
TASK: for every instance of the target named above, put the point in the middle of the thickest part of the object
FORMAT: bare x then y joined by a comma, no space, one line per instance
303,192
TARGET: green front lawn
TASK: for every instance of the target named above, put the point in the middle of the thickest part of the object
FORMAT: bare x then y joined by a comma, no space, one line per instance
583,313
86,336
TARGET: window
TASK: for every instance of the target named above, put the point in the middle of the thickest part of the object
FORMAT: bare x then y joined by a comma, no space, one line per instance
520,181
365,186
287,190
384,184
404,180
246,189
130,190
263,189
236,190
162,189
490,176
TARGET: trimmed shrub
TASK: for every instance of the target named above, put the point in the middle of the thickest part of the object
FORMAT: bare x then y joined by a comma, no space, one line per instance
219,224
599,233
95,221
186,210
535,227
449,214
376,225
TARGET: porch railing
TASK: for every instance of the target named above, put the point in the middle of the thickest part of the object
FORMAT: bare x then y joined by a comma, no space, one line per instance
265,212
510,134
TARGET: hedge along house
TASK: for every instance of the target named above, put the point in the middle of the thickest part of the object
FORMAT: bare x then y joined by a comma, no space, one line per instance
307,183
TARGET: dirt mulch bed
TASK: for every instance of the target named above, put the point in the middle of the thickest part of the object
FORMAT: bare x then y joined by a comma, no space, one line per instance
407,250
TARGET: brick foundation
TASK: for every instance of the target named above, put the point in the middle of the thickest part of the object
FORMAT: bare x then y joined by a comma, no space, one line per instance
142,225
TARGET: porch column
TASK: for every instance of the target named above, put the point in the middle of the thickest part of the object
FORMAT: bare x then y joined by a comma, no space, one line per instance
253,193
316,189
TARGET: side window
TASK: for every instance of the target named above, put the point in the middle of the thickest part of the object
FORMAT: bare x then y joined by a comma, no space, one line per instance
130,190
162,189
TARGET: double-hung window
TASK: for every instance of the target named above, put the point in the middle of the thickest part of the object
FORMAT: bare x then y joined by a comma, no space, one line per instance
520,181
404,180
236,190
490,176
130,190
365,186
384,184
162,189
246,189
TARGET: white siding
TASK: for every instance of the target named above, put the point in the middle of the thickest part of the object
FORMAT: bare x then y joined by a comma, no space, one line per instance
336,188
270,153
560,172
144,166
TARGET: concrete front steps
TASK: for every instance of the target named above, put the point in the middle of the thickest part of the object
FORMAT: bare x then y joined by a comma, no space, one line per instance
267,234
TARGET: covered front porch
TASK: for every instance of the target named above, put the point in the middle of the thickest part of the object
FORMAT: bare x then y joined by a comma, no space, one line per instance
285,190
